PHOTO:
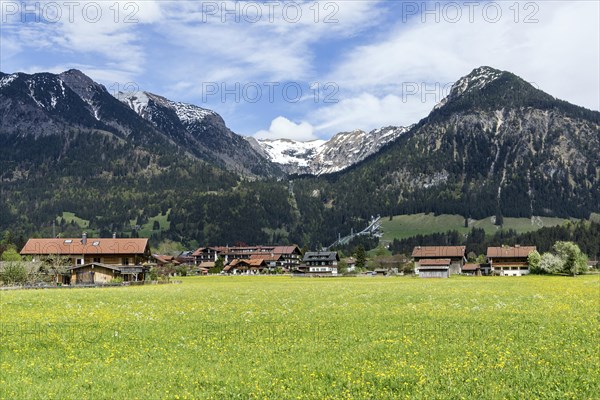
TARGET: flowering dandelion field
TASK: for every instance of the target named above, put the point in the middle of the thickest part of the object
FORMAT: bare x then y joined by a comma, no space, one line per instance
296,338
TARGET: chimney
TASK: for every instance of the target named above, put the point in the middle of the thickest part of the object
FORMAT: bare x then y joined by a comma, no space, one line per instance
84,238
114,235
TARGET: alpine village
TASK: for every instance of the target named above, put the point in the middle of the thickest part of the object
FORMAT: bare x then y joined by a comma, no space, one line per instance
174,192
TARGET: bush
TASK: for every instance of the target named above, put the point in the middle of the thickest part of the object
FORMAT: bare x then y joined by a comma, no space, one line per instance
153,274
10,254
181,270
14,273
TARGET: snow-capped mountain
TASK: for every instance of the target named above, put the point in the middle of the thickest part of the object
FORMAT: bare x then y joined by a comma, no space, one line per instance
319,157
203,132
53,105
472,83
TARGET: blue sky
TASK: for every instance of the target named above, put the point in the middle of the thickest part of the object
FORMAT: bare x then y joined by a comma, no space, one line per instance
307,69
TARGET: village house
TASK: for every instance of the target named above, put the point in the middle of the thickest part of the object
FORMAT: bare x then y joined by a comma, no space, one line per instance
186,258
286,257
252,266
206,254
162,260
509,261
472,269
451,256
93,260
320,262
351,263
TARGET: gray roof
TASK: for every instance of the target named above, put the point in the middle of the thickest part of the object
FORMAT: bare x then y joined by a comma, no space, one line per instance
320,256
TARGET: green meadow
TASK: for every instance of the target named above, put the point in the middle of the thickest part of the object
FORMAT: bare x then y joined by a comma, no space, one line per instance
404,226
531,337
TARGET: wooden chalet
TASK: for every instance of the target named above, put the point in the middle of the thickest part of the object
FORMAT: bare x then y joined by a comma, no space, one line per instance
456,255
320,262
509,261
97,273
101,259
206,254
162,260
286,257
246,266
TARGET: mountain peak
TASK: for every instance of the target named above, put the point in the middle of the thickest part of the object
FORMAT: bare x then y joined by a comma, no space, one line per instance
187,113
477,79
474,81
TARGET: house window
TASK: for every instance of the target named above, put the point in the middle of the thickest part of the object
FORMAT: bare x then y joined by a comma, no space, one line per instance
125,261
97,259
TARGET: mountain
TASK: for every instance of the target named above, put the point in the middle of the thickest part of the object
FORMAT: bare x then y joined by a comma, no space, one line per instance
201,131
50,105
320,157
494,146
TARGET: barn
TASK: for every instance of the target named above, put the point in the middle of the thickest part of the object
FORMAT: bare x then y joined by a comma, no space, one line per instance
456,255
435,268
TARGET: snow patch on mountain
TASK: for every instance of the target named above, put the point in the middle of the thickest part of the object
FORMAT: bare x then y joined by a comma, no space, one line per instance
187,113
137,101
5,81
291,152
319,157
476,80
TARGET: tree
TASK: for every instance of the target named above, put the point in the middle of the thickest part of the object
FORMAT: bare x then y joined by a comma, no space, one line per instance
342,267
219,264
573,260
499,219
533,259
156,226
381,251
56,264
361,257
10,254
549,263
471,257
170,247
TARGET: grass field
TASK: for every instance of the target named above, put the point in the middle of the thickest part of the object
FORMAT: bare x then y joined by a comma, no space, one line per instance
404,226
288,338
145,230
70,217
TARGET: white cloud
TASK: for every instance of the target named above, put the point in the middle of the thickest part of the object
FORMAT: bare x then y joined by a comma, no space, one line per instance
556,52
209,50
282,127
108,32
368,112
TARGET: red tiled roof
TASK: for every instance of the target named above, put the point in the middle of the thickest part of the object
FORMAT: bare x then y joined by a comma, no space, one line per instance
165,259
266,257
439,261
93,246
438,251
206,265
510,252
471,267
201,250
249,262
285,249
